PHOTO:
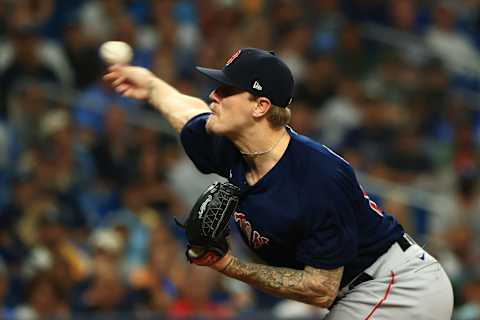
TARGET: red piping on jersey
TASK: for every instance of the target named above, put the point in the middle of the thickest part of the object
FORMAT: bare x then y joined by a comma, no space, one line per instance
385,296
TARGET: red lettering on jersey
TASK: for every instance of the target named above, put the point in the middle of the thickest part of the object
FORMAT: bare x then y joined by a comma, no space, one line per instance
255,239
237,216
233,57
258,241
247,228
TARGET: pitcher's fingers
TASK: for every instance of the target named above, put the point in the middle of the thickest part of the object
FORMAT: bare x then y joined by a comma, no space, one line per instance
113,67
111,76
129,92
117,68
118,81
122,88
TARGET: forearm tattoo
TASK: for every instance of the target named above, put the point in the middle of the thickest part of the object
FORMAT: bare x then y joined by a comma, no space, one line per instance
311,285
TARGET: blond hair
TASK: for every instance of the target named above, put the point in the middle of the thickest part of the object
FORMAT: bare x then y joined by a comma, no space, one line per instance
279,116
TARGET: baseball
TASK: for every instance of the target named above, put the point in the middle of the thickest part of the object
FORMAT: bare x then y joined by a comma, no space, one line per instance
113,52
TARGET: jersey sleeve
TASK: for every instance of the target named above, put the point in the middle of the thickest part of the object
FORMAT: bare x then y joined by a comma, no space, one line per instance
330,238
209,153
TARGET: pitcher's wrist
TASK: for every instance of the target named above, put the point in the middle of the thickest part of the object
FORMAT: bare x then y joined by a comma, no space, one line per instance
151,90
222,264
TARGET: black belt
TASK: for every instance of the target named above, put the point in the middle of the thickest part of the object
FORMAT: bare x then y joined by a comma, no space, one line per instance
404,242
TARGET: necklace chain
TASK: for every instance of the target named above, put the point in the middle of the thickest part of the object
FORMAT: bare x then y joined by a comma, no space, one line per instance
260,153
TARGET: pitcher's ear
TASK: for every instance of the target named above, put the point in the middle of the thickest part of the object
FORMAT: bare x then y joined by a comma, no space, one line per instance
262,106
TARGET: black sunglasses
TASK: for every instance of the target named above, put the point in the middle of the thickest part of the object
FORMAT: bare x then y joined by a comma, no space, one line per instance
225,91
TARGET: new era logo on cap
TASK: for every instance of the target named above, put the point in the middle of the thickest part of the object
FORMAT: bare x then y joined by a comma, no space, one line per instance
257,86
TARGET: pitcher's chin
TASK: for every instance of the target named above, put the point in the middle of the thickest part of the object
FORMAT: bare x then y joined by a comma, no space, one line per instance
211,124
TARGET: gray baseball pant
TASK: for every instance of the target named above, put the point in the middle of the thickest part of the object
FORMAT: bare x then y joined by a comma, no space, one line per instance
407,284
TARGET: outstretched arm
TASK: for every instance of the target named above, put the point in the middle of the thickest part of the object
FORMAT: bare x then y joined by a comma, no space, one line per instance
139,83
314,286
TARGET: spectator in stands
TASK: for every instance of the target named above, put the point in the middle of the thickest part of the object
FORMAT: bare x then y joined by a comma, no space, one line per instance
319,83
92,105
455,230
407,158
465,153
303,120
26,64
366,144
433,84
159,282
455,49
31,11
393,79
35,15
403,15
97,18
5,310
106,292
82,55
327,20
341,113
471,296
351,55
45,300
292,46
68,263
196,297
73,170
404,29
112,153
126,30
130,221
26,110
154,163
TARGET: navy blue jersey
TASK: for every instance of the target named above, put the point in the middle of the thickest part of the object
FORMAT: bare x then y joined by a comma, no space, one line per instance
307,210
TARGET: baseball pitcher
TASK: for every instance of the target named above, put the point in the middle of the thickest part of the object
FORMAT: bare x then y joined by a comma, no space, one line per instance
298,205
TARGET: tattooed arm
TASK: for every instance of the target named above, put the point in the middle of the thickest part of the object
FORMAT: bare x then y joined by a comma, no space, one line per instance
313,286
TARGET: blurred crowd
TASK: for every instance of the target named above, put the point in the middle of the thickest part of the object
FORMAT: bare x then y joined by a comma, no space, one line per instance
89,187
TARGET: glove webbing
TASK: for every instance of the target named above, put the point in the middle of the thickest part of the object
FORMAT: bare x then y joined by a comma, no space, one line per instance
223,203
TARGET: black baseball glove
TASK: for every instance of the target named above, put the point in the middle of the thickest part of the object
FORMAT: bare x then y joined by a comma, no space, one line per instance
207,224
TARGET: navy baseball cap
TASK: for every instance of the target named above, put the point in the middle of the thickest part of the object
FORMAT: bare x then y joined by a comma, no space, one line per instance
257,71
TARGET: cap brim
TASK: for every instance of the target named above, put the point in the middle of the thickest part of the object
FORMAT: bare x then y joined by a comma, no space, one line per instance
217,75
